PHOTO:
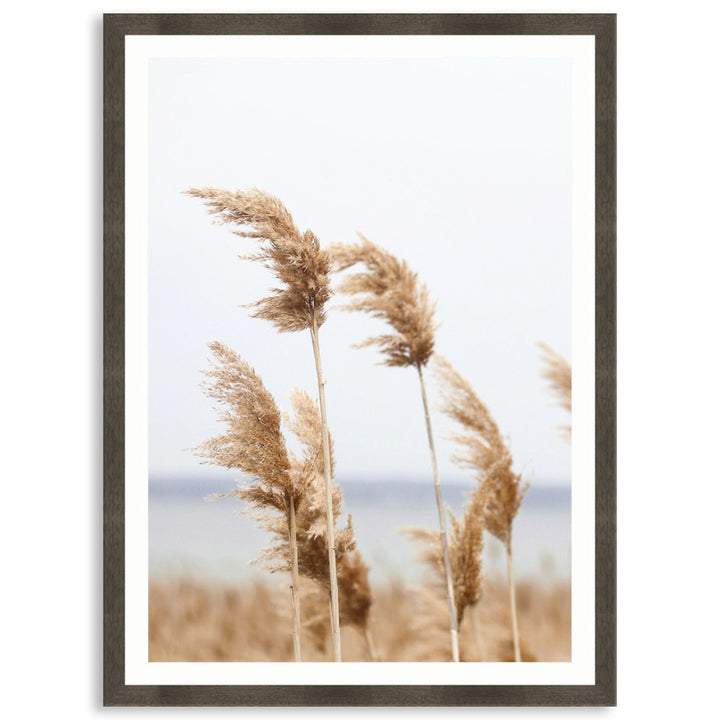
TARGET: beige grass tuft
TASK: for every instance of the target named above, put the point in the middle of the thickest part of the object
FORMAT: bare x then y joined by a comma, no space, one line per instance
482,450
302,268
253,441
388,290
485,453
193,622
295,258
356,601
303,482
558,373
465,544
255,445
285,492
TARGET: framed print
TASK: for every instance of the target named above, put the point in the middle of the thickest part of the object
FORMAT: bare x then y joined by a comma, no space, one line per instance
359,360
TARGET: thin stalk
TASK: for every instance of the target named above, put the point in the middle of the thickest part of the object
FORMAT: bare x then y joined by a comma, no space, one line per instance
334,605
370,645
295,587
513,609
330,610
443,531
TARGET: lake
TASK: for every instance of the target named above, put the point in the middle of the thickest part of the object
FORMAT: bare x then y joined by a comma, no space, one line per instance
216,541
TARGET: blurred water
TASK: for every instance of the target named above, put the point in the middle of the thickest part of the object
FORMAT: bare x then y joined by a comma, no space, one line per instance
215,541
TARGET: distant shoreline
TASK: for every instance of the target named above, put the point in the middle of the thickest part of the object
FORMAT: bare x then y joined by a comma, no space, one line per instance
388,492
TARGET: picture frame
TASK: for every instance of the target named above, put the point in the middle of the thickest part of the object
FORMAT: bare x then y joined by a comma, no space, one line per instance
117,29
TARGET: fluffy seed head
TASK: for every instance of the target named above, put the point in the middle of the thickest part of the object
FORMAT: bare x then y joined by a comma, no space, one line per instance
558,373
482,449
253,441
390,291
354,598
465,547
295,258
276,478
306,473
354,594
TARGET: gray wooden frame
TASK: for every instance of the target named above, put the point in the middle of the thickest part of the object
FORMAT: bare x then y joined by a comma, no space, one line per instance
116,27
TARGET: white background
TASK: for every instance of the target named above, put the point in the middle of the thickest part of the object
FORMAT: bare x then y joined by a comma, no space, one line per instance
667,334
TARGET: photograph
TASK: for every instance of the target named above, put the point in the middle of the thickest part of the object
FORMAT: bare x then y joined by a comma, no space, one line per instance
430,226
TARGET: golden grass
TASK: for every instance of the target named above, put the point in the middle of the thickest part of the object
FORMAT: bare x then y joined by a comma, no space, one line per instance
557,372
387,289
485,452
294,258
253,441
302,267
285,494
465,546
194,622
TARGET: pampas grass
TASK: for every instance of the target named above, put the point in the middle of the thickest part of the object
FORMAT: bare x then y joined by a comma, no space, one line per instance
354,594
356,601
286,491
390,291
294,258
302,268
254,444
311,518
557,372
483,450
356,598
465,545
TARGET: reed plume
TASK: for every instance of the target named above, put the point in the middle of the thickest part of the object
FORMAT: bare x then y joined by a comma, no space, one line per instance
465,546
294,258
254,444
311,518
302,267
354,595
356,599
390,291
483,450
558,373
285,493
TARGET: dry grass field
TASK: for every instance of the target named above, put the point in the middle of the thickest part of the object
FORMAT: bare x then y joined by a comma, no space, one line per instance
192,622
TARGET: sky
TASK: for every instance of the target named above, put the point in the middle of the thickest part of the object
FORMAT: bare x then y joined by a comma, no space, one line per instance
461,166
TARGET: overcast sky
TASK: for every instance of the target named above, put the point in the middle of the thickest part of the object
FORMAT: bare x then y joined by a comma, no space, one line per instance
461,166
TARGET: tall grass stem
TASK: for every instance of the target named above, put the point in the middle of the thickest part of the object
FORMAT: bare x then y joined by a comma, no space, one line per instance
295,587
334,604
513,605
443,528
